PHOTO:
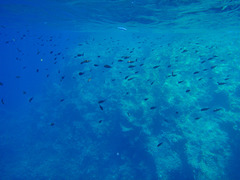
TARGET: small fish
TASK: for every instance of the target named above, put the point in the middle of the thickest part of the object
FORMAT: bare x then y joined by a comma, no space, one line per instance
101,101
96,65
216,110
130,61
18,77
100,121
30,100
131,66
173,75
130,79
197,118
155,67
184,51
126,77
205,69
212,67
122,28
179,82
79,55
145,99
120,60
85,61
100,107
196,72
52,124
125,57
1,84
203,62
153,107
159,144
81,73
152,83
221,83
188,90
61,100
2,101
107,66
205,109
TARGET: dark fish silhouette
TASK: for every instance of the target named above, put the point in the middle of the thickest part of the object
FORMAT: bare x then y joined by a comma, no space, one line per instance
96,65
79,55
216,110
173,75
2,101
101,101
126,77
205,109
101,107
52,124
81,73
179,82
212,58
130,79
153,107
130,61
155,67
188,90
85,61
1,84
125,57
197,118
100,121
61,100
131,66
212,67
152,83
205,69
221,83
145,99
120,60
30,100
196,72
107,66
159,144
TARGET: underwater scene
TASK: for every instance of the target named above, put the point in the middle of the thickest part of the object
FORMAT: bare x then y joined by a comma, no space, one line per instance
120,90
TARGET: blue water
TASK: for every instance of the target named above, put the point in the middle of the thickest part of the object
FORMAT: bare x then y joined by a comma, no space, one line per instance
139,89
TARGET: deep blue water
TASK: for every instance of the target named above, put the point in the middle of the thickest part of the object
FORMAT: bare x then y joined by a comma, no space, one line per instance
124,90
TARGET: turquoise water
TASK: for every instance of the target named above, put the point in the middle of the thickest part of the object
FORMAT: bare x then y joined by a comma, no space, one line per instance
119,90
